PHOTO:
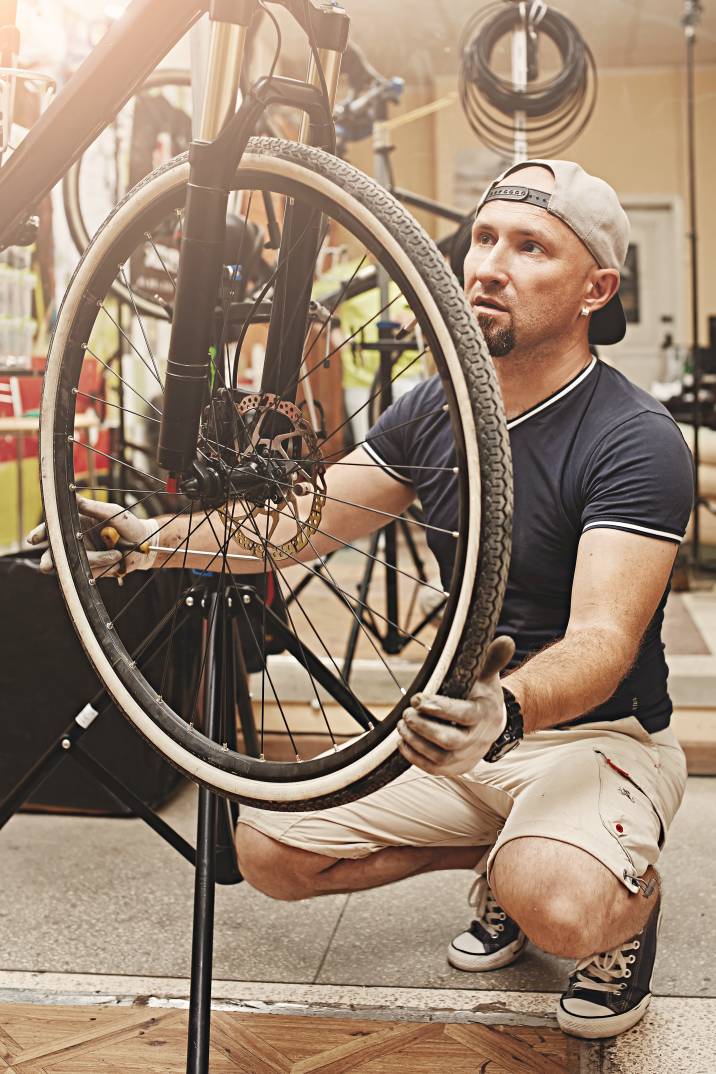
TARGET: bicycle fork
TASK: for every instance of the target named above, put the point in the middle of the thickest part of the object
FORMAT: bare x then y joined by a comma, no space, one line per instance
213,159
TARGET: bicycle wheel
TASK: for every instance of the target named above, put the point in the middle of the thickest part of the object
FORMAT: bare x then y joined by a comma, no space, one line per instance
350,748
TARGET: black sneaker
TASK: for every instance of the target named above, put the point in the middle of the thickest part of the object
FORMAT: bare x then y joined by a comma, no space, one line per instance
610,992
493,939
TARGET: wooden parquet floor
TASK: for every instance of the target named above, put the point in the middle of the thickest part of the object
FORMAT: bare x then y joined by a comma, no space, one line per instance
140,1040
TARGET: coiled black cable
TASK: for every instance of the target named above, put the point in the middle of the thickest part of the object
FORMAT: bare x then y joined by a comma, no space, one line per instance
554,111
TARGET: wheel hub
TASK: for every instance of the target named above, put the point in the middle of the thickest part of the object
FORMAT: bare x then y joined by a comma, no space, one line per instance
259,458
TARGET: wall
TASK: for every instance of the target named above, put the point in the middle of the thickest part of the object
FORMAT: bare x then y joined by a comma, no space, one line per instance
636,140
414,156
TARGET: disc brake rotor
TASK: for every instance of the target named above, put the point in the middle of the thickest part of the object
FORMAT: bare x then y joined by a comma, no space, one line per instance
304,470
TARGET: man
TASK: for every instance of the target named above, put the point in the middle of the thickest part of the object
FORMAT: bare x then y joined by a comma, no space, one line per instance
565,829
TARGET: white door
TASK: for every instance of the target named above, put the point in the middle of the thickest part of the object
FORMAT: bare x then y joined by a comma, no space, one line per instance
650,292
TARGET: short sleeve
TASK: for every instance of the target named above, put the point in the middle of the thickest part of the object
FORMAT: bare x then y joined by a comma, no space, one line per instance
395,441
640,478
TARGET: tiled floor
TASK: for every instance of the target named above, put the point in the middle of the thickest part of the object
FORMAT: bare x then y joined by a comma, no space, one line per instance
98,900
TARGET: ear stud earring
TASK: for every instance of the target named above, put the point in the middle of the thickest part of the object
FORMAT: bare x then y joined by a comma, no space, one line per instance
584,311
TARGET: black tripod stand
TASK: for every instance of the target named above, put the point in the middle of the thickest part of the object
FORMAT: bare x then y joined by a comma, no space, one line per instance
225,694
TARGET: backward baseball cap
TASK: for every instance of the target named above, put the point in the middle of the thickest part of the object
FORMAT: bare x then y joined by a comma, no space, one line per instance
590,207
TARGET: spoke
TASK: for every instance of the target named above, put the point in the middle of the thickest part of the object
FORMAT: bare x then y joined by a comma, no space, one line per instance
89,447
375,395
304,659
358,618
339,346
135,547
136,491
119,377
265,673
389,566
106,402
165,670
336,304
149,237
141,322
377,511
307,617
142,359
403,466
393,428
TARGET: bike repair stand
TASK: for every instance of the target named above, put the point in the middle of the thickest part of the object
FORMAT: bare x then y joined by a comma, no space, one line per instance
214,858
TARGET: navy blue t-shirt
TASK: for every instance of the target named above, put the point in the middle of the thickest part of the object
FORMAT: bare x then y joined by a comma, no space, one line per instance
600,452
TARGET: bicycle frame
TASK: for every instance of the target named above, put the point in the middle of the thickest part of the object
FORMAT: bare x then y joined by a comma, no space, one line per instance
89,102
101,86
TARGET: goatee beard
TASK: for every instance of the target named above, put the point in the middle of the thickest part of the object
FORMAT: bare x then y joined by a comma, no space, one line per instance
500,341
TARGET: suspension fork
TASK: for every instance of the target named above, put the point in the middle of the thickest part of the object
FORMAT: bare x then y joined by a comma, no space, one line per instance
213,160
300,242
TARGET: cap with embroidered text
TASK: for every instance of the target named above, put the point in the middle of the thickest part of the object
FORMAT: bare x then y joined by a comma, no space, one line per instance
590,207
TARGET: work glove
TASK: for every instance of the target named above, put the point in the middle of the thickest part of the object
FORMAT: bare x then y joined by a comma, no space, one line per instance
116,540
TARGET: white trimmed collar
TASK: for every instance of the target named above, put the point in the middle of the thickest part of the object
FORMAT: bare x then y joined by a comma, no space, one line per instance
552,398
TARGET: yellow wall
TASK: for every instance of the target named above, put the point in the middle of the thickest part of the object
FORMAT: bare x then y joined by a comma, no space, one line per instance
636,140
414,154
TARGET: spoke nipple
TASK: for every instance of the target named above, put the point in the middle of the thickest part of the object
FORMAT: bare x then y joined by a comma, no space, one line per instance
261,757
70,439
229,602
299,759
456,469
66,744
132,664
78,534
109,626
159,699
445,407
403,691
315,704
74,391
225,747
90,580
445,593
455,533
246,598
72,487
189,602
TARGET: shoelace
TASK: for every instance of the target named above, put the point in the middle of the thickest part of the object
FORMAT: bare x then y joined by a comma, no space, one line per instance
487,911
606,972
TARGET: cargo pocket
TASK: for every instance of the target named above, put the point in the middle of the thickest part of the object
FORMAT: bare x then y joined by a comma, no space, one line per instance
630,817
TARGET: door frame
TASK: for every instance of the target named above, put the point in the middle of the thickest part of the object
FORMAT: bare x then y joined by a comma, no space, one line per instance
674,203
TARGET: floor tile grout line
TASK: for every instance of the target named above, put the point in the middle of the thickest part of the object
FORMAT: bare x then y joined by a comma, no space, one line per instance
330,941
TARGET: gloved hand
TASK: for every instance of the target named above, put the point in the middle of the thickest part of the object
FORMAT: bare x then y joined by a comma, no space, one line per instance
116,540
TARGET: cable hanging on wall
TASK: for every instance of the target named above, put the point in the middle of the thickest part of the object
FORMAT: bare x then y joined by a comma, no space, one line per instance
510,114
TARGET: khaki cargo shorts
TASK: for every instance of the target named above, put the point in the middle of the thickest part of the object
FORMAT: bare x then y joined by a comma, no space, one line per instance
611,789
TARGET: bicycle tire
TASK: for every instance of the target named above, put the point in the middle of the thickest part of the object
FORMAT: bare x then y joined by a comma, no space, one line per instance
364,765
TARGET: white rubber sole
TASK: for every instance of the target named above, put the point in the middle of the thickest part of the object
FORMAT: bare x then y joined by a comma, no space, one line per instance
598,1028
463,960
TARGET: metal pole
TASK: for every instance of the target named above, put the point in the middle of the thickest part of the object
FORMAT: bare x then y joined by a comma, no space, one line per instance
204,882
519,85
690,19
